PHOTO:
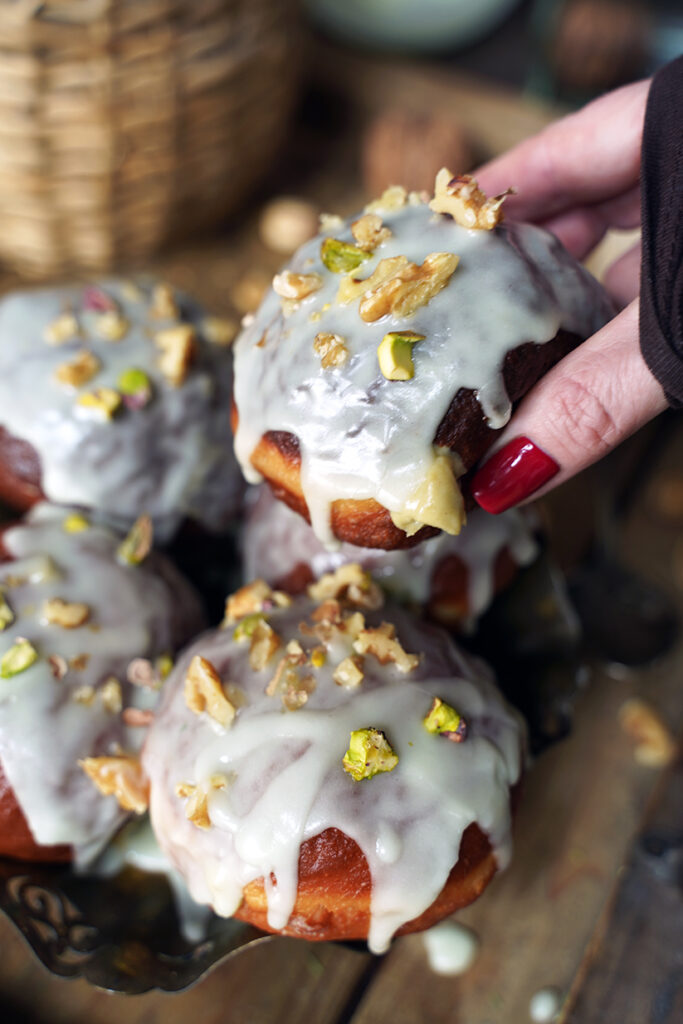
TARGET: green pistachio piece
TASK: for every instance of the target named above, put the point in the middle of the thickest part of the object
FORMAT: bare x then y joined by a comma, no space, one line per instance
137,545
446,721
135,386
369,754
164,665
395,355
75,523
6,613
246,626
18,658
342,257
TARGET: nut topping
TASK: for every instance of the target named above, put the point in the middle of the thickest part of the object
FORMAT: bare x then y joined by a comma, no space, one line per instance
67,614
64,328
135,547
101,403
369,754
349,582
289,285
341,257
75,523
446,721
395,356
655,745
384,646
461,197
17,658
58,666
79,371
197,809
408,288
254,597
332,350
135,386
177,346
264,643
204,692
6,613
111,696
111,326
393,198
121,776
164,305
349,672
369,231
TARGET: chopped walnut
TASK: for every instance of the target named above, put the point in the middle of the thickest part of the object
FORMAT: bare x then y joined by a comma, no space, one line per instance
393,198
461,197
408,287
297,690
137,544
58,666
137,717
252,598
351,583
164,305
84,695
330,222
289,285
369,231
349,672
655,746
332,350
79,662
111,696
294,656
63,328
352,288
79,371
204,692
197,809
178,347
67,614
121,776
111,326
264,643
384,646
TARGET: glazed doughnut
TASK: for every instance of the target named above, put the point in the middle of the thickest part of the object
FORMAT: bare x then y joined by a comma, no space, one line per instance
116,398
378,368
453,578
75,610
321,773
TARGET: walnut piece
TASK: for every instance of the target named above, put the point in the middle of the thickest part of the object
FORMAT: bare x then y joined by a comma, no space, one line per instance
252,598
111,696
289,285
369,231
197,808
408,288
393,198
164,305
264,643
384,646
121,776
332,350
655,746
349,582
178,347
204,692
111,326
62,329
461,197
79,370
84,695
349,672
67,614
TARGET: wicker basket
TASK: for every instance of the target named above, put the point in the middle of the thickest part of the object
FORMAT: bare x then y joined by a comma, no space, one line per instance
125,121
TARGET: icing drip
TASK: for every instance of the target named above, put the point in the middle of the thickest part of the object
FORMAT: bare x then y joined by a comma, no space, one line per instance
362,436
134,611
170,458
284,781
276,540
451,947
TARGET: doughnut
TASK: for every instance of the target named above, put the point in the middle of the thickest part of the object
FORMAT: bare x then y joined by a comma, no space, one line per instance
453,578
116,397
78,605
329,768
391,349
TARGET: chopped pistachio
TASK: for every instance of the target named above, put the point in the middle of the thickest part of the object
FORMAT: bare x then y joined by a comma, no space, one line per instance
318,657
111,696
111,325
395,354
121,776
62,329
445,720
67,614
135,386
349,672
138,543
204,692
79,370
102,402
75,523
332,350
369,754
20,656
246,626
341,257
178,346
163,666
6,613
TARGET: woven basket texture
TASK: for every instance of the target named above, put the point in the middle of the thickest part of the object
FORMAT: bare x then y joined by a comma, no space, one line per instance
126,122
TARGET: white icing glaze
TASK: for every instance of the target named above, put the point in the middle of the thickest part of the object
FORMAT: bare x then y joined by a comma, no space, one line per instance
362,436
276,540
286,783
135,611
545,1005
451,947
170,459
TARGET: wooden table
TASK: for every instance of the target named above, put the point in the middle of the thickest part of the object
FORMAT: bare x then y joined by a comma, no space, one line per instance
580,908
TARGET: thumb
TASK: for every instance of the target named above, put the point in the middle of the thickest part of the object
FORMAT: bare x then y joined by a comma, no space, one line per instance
590,401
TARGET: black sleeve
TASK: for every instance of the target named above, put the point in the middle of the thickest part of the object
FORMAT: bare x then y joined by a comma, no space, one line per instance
661,283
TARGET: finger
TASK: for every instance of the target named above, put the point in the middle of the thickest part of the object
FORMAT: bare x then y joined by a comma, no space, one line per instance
582,159
622,279
581,229
593,399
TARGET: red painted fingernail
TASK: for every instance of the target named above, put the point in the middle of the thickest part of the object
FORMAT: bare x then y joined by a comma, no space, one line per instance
511,474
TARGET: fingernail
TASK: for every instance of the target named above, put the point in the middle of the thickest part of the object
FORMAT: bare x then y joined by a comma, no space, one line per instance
512,473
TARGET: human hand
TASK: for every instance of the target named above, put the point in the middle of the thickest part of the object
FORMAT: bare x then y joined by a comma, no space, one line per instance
577,178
